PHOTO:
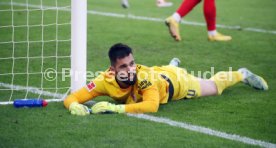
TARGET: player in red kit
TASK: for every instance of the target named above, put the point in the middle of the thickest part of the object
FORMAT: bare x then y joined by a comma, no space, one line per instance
209,9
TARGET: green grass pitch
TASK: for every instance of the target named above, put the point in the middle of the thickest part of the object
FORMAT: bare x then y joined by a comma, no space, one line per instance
240,110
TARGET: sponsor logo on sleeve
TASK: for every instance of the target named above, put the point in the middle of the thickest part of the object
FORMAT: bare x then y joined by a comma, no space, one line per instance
139,66
90,86
144,84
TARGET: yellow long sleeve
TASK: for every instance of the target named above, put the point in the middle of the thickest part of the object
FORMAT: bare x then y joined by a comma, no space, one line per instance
80,96
150,102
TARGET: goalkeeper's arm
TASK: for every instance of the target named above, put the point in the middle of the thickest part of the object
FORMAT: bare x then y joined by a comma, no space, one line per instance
150,103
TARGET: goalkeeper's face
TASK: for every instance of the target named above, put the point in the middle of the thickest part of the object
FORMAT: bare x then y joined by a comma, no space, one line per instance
125,70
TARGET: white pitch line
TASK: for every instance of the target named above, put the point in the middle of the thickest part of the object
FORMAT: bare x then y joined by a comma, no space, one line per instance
204,130
195,128
131,16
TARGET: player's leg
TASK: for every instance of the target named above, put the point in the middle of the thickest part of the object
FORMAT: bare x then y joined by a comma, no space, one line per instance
208,88
222,80
173,21
219,82
186,6
209,9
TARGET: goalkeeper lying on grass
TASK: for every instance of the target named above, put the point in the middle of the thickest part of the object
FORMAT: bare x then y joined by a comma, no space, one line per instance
141,89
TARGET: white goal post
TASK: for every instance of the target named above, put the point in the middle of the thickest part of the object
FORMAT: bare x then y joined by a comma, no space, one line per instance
78,43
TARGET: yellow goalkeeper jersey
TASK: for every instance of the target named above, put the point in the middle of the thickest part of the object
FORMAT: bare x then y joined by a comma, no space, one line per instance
150,89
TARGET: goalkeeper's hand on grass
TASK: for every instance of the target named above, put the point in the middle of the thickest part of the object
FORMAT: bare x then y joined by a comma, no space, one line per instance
78,109
106,107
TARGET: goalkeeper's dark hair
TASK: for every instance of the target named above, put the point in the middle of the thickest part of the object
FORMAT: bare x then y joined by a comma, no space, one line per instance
118,51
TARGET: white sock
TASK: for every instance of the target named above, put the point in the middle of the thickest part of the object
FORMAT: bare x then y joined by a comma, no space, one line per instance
177,17
212,33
